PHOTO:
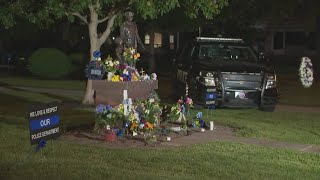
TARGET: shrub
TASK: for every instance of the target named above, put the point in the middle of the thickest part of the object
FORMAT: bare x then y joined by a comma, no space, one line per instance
49,63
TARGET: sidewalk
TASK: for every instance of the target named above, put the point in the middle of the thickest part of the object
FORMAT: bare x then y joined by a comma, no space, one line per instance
227,134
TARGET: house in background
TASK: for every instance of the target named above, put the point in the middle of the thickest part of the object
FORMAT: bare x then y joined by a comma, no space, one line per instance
290,37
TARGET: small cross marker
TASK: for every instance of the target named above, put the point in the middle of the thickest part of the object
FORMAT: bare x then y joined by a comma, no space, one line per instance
142,72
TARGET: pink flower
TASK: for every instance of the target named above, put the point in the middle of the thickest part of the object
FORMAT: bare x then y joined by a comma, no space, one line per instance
188,101
123,66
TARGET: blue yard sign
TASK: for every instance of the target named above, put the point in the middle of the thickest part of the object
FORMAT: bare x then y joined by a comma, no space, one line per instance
44,122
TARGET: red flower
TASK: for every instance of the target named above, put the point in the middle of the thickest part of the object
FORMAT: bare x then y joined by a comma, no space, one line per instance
143,121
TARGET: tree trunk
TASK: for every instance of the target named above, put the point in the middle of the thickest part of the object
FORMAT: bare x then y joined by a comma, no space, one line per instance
95,45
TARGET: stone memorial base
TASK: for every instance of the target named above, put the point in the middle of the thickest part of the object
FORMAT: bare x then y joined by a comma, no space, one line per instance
111,93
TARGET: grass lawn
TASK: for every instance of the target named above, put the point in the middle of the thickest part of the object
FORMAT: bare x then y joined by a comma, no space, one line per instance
32,82
219,160
283,126
293,93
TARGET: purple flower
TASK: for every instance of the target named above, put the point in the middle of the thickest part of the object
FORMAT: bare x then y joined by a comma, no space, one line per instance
101,108
108,107
199,115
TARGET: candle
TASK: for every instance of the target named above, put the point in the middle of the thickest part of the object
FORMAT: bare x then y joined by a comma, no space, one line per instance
125,94
202,129
134,133
125,102
130,104
168,138
211,126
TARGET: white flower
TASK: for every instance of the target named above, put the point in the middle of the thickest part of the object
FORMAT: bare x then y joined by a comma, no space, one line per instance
111,64
136,115
151,100
306,72
141,126
153,76
309,72
146,77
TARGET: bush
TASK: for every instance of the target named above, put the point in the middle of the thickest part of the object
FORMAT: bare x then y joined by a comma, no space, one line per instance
49,63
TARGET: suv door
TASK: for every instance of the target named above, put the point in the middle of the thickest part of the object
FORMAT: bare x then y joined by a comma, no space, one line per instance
183,63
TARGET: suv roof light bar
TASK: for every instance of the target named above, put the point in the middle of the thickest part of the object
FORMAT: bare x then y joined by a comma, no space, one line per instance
208,39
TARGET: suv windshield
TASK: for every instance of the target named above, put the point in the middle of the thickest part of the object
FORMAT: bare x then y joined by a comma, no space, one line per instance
227,52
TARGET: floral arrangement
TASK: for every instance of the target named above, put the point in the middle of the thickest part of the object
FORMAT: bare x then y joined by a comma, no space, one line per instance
126,73
107,117
198,121
144,116
111,65
95,68
306,72
131,56
180,110
117,72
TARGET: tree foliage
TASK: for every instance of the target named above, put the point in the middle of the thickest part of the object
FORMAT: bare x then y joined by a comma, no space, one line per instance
47,11
94,12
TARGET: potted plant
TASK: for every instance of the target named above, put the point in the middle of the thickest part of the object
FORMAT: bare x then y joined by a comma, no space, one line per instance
108,121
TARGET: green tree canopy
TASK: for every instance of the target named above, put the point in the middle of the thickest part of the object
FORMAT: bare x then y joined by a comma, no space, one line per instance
95,12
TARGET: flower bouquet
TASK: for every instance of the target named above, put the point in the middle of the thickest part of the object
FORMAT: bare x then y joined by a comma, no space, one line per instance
180,111
198,121
111,67
107,118
131,56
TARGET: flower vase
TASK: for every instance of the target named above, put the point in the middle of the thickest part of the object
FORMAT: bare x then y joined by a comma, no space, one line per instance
110,136
109,76
132,64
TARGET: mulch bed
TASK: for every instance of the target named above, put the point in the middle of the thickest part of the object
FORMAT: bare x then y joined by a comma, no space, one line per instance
87,137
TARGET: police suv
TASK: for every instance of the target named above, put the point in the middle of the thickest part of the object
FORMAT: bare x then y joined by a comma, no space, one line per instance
224,72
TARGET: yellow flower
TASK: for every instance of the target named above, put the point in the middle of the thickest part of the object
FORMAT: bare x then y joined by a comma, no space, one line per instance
120,108
135,78
149,125
136,56
115,78
133,126
131,117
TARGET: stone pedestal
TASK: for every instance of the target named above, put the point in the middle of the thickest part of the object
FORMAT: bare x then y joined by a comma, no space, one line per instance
111,93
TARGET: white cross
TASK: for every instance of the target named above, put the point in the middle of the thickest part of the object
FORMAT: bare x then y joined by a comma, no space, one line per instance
142,72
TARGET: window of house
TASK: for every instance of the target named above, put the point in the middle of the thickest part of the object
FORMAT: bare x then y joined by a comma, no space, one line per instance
157,40
278,42
147,39
171,41
295,38
312,41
